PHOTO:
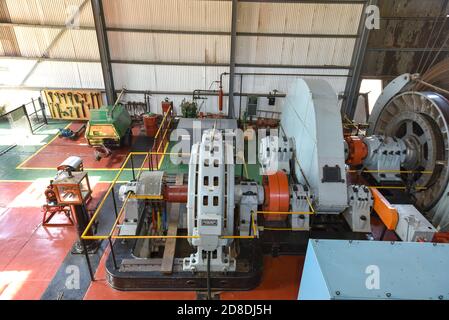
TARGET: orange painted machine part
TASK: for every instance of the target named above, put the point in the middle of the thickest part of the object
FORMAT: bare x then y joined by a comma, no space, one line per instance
150,124
277,196
441,237
175,193
387,213
166,106
220,100
357,150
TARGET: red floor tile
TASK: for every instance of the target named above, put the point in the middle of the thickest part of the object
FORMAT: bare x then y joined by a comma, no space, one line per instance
30,254
9,248
41,258
66,233
10,190
280,281
100,290
60,149
21,289
19,222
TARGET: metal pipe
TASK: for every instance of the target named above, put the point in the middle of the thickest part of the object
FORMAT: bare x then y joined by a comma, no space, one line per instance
86,254
232,63
113,253
209,290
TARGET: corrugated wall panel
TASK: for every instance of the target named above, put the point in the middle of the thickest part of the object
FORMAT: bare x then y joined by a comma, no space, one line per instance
165,78
169,47
12,72
294,51
169,14
264,84
299,18
66,75
48,11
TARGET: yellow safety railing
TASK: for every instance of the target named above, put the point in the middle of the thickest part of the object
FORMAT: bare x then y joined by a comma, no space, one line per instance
165,126
397,187
120,213
108,192
111,234
389,171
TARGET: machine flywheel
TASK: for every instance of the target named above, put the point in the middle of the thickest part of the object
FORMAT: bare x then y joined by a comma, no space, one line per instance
277,195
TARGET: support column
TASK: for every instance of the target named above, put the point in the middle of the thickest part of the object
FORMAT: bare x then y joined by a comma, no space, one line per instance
103,46
353,84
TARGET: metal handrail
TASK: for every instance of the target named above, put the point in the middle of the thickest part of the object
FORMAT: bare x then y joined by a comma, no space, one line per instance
100,206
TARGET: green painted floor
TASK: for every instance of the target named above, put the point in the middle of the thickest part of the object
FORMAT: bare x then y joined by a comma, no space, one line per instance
14,157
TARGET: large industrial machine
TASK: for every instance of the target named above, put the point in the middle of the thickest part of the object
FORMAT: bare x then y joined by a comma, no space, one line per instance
211,226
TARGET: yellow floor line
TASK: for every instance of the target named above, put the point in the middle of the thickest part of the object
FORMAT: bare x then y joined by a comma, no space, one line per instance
40,149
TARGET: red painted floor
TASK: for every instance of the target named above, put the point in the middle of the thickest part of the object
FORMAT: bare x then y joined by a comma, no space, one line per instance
30,253
60,149
280,281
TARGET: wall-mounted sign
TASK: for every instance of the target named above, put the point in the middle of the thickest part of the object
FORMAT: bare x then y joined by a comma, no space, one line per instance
72,105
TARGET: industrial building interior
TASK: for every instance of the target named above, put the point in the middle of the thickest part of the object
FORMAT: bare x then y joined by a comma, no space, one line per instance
224,150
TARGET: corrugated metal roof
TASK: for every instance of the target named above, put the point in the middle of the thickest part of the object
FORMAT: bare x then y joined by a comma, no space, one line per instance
75,44
78,44
33,42
185,15
49,11
299,18
169,47
169,14
398,46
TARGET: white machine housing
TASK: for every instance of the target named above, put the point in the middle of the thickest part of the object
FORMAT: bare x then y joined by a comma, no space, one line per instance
210,203
312,116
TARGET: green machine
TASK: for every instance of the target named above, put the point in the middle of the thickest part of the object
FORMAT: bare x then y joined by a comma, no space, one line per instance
109,126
